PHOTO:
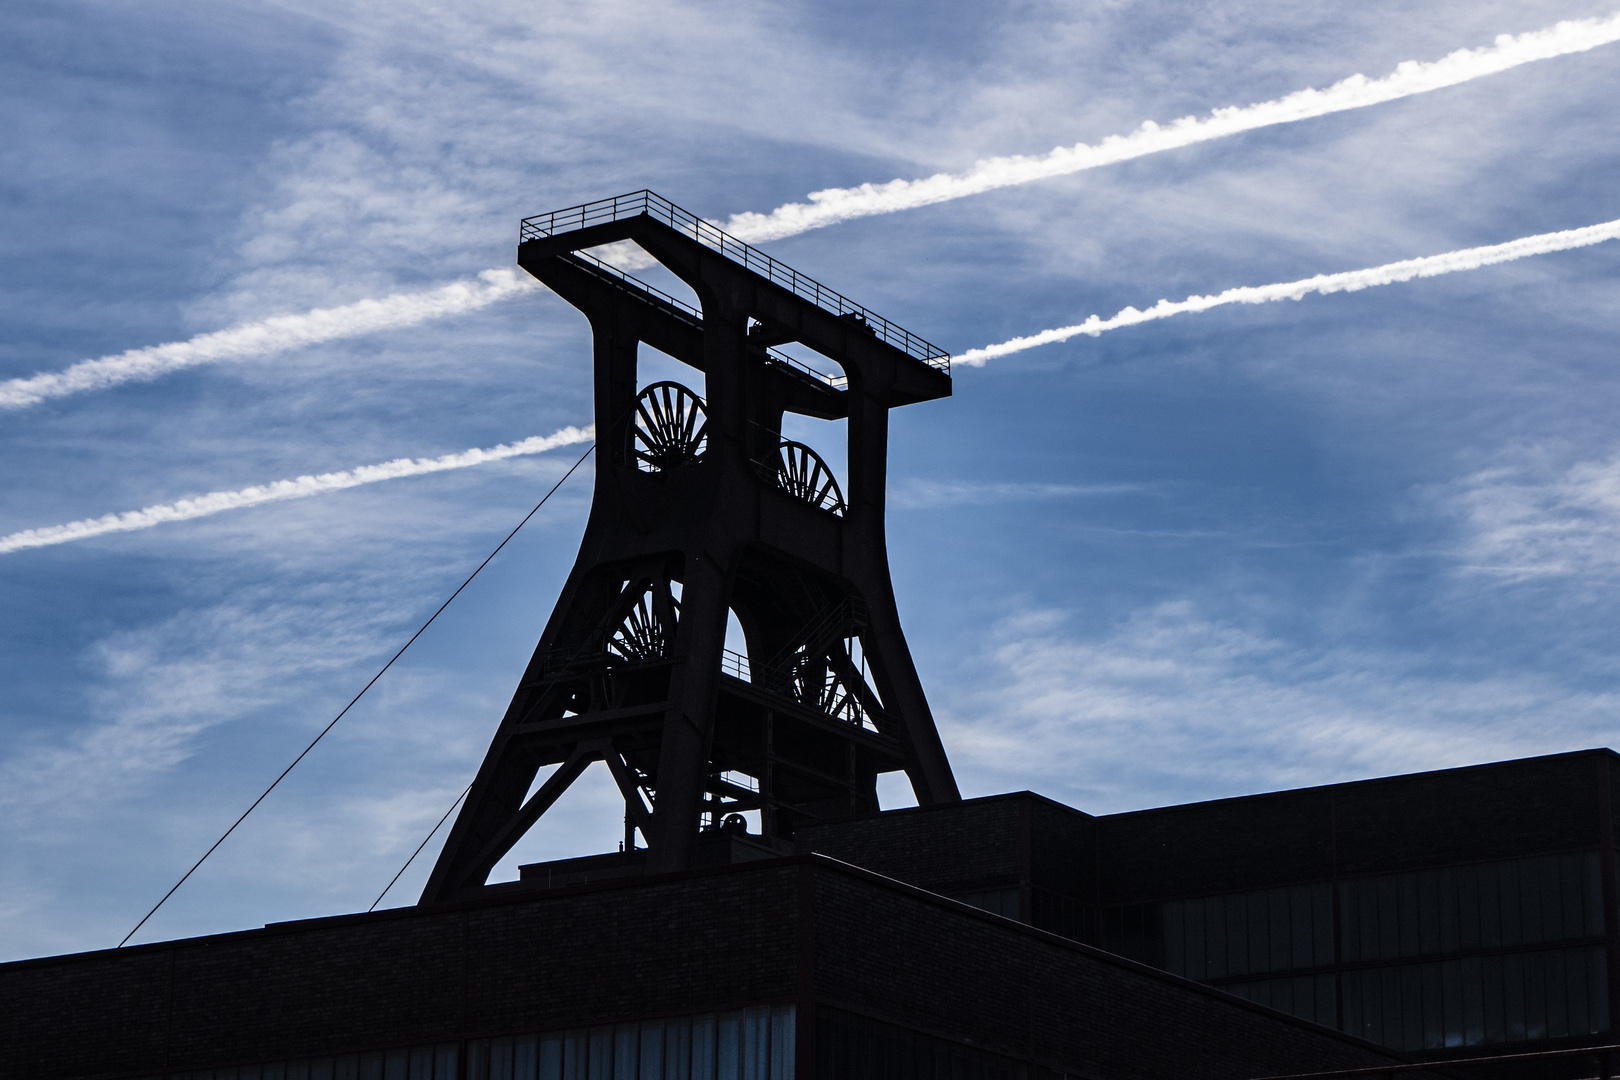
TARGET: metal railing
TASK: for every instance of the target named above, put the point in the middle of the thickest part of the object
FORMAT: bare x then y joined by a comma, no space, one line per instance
735,664
630,281
644,202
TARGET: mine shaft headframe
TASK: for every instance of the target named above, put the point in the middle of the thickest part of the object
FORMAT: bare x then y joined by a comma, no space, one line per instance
703,510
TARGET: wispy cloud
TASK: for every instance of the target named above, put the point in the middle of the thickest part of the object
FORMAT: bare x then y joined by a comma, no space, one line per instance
1347,281
219,501
1411,77
1172,706
1528,521
917,494
266,337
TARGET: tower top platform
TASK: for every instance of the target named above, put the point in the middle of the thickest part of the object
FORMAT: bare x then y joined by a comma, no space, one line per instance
604,221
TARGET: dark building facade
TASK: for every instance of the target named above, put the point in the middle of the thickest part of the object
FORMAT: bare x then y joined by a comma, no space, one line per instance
1449,914
794,967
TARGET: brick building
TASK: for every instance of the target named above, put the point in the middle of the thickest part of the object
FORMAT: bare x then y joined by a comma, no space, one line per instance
1442,915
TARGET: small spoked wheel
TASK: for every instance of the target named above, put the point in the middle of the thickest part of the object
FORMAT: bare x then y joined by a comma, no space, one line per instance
670,428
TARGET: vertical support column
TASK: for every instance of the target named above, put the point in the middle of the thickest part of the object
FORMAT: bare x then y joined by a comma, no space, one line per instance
1611,887
688,726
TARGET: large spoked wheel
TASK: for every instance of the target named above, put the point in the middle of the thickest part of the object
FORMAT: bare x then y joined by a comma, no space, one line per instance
801,473
642,635
670,428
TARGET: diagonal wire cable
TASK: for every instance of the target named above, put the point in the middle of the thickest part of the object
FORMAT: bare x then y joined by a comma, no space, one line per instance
357,697
431,833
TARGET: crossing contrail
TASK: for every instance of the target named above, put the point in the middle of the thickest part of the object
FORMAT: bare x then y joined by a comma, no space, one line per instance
276,334
220,501
1411,77
1348,281
827,207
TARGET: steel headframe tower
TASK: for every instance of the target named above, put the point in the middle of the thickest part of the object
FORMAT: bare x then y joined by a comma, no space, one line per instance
702,508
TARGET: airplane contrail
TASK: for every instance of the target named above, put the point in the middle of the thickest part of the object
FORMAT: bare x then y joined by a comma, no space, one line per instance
220,501
826,208
1411,77
276,334
1348,281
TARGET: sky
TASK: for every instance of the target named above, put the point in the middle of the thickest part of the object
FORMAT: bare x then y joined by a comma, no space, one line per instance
1232,551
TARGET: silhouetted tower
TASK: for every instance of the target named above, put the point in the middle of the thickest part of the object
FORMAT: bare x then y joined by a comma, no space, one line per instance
701,507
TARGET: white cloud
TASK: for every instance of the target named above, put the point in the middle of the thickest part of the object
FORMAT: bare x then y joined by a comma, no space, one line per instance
1173,707
1536,519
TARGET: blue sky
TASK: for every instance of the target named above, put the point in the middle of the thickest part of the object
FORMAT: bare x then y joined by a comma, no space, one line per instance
1223,553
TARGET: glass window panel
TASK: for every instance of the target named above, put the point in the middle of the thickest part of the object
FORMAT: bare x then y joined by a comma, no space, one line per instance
1193,921
444,1062
756,1044
1473,1002
1300,945
1303,989
1512,905
782,1031
1237,935
678,1050
1389,935
1467,907
1173,919
396,1065
523,1062
1327,1013
703,1057
500,1059
1411,978
1389,991
1445,885
299,1070
599,1053
1406,907
1535,996
1592,894
576,1052
626,1040
728,1048
1322,923
346,1067
1355,1015
651,1053
1451,1001
1575,991
1259,932
1552,900
1214,937
549,1058
1597,989
1281,992
1513,1005
1530,901
1428,914
1350,920
326,1069
371,1066
1279,928
1557,995
1434,1008
1490,907
1491,991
